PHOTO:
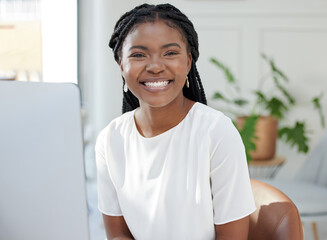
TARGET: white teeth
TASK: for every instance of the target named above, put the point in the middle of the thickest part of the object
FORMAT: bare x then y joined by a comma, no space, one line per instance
156,84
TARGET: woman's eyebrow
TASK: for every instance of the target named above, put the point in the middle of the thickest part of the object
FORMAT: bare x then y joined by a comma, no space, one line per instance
138,47
164,46
171,45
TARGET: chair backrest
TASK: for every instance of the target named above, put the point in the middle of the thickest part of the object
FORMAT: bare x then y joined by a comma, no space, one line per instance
314,169
276,217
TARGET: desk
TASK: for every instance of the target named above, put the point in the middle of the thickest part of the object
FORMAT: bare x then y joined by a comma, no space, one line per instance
265,168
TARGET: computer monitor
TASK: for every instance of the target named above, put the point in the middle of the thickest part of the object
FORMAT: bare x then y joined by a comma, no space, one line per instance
42,175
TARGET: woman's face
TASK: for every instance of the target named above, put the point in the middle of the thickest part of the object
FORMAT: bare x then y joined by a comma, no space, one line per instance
155,62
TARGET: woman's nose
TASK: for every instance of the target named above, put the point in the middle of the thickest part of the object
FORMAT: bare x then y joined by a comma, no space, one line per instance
155,65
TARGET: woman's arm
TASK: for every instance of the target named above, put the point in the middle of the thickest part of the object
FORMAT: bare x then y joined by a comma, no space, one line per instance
116,228
236,230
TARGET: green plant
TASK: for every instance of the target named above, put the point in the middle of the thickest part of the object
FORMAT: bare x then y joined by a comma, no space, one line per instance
276,102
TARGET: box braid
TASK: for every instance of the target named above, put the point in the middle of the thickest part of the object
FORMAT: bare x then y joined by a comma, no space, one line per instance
175,19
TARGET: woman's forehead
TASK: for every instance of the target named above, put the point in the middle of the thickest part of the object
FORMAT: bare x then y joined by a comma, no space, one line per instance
155,32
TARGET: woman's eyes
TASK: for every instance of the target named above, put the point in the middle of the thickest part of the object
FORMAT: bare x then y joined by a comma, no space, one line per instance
137,55
171,53
141,55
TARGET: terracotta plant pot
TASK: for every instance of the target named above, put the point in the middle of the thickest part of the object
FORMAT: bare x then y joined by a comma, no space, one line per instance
266,132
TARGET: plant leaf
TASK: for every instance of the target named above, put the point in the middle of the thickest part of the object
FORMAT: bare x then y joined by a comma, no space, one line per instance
273,67
284,91
295,136
228,75
279,72
248,134
260,97
219,96
240,102
317,105
276,107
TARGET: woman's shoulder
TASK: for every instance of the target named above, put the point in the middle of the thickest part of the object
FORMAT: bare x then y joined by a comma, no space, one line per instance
212,120
207,113
218,127
123,119
118,123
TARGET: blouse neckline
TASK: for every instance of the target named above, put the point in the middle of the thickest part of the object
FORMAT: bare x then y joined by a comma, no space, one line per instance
165,132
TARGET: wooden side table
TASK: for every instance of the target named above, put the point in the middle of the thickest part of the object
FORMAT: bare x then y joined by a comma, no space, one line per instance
265,168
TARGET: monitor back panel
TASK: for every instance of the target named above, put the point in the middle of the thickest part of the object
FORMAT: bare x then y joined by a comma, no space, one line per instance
42,177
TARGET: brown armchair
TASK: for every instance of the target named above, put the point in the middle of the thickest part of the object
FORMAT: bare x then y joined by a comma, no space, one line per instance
276,217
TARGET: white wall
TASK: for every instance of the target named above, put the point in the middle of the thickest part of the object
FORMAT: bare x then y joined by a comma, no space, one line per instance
293,32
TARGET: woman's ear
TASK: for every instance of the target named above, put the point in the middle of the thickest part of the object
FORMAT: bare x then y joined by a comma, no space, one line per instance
189,62
120,65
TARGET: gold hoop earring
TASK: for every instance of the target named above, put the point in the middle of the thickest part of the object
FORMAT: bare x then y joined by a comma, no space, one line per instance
187,82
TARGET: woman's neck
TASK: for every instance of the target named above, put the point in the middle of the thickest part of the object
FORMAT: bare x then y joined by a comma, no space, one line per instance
152,121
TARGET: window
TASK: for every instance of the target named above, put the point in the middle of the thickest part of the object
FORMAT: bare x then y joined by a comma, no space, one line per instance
38,40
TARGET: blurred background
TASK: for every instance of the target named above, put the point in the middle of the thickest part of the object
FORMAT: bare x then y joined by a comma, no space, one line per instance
67,41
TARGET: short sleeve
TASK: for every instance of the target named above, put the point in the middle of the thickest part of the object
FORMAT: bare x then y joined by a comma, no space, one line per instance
107,197
230,183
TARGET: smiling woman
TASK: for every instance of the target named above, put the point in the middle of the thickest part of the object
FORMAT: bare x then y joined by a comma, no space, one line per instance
155,63
170,167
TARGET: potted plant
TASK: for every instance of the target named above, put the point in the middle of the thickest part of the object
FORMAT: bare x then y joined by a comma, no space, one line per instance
263,123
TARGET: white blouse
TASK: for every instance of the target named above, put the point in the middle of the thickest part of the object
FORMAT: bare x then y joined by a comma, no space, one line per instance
178,184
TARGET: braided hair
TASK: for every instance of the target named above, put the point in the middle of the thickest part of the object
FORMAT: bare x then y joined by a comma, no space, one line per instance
174,18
